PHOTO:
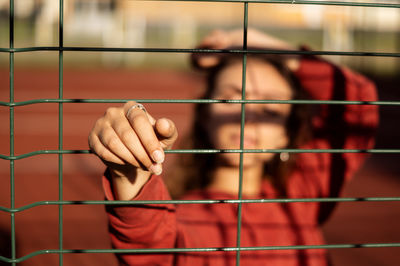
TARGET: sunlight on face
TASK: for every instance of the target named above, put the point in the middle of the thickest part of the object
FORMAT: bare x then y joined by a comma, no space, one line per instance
265,123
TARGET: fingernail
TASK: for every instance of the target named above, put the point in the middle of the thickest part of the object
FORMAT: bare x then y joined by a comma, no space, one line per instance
156,169
158,156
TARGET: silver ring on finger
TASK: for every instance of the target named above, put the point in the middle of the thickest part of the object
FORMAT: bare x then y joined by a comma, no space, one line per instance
138,105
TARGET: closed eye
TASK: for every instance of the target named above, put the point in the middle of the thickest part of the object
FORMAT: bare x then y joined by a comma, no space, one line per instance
229,92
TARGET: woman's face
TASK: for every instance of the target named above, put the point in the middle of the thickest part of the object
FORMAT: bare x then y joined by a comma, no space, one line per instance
264,123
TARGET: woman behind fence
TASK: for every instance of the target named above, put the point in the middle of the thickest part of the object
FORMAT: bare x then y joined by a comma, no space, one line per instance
131,143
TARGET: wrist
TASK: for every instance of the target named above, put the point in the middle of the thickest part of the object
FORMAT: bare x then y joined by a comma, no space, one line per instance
121,172
127,184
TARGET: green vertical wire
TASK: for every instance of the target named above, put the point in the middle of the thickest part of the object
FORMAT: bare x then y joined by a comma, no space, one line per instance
60,129
242,123
12,166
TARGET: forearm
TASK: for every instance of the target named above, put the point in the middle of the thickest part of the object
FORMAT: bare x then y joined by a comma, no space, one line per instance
143,225
340,126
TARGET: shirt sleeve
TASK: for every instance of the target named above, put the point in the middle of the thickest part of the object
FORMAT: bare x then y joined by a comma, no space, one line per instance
145,226
337,126
325,81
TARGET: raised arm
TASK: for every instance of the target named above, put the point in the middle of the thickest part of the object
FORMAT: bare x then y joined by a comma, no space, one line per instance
350,126
337,126
220,39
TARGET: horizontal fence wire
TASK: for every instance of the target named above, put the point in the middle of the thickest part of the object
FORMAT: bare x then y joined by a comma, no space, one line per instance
211,151
60,49
216,201
187,50
201,101
188,250
295,2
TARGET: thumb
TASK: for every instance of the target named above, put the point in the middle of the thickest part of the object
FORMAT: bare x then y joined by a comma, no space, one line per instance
166,132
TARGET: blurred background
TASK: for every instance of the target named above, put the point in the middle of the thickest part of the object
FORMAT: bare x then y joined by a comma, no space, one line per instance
116,75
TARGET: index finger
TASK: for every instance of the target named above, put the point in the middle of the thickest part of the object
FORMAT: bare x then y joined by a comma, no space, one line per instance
142,123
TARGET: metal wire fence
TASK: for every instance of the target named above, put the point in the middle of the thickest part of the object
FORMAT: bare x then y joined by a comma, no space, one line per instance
12,157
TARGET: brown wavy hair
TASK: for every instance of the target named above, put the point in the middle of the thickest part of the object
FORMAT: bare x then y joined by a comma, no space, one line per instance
194,171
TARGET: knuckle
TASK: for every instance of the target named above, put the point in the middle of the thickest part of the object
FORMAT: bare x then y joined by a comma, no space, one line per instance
98,124
126,135
112,143
111,111
129,104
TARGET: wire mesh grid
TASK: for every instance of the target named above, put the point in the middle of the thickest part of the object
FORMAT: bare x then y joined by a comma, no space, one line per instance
12,157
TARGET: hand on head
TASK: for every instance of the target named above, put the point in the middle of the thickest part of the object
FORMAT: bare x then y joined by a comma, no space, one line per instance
219,39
